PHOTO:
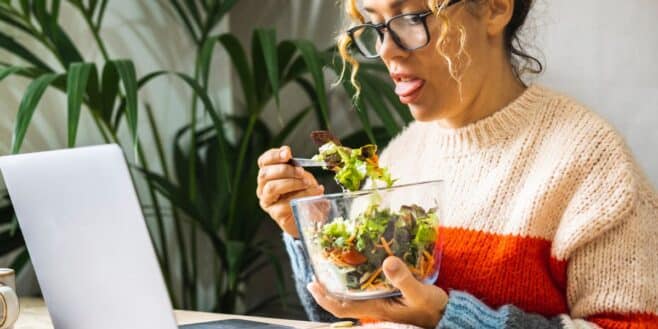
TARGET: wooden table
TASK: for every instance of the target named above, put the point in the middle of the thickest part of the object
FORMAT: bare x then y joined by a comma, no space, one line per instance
34,315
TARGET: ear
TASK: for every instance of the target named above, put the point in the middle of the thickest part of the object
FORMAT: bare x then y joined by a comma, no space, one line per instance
498,15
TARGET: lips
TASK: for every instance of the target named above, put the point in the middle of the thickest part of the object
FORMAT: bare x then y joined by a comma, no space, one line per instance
407,86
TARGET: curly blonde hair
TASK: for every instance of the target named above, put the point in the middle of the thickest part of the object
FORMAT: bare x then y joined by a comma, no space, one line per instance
457,60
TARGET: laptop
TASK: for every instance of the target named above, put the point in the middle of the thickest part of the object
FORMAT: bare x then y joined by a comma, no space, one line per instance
88,241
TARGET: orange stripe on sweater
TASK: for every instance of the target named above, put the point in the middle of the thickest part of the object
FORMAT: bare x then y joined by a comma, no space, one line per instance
625,321
502,269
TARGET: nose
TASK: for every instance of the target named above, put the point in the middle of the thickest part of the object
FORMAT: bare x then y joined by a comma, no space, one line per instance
389,50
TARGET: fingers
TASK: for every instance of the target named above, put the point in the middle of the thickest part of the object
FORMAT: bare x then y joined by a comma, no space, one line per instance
279,171
340,308
275,156
398,273
273,190
281,211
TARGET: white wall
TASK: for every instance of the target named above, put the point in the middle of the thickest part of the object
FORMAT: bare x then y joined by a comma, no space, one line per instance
603,52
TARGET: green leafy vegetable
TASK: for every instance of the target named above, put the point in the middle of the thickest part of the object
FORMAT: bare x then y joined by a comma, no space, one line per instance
359,246
353,166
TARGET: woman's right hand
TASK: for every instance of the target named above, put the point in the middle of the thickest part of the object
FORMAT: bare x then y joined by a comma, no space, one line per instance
280,182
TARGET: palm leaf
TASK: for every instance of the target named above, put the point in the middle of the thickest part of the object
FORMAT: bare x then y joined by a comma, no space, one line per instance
20,261
27,107
208,107
7,71
313,62
109,91
265,46
239,59
11,45
126,72
373,98
76,86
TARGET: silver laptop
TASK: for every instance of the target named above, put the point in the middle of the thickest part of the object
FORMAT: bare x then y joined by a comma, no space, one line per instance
88,241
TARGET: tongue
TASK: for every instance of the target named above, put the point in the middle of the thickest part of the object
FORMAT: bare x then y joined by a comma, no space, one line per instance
406,88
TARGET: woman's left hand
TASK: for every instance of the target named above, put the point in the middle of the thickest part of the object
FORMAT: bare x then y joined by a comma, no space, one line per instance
420,304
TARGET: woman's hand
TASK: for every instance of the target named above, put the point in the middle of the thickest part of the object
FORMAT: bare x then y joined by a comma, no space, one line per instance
280,182
421,304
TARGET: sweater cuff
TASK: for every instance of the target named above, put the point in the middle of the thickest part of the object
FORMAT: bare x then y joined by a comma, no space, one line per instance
303,275
466,311
300,266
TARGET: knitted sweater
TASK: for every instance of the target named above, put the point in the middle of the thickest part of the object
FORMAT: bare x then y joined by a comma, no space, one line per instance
549,222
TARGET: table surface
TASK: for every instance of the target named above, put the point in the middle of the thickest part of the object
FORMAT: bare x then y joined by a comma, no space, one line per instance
34,315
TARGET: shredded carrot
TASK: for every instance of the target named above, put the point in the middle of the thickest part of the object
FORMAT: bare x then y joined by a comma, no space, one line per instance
337,259
372,278
427,254
430,264
351,238
415,271
386,247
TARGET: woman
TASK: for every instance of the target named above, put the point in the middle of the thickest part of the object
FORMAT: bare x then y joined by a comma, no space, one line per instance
550,223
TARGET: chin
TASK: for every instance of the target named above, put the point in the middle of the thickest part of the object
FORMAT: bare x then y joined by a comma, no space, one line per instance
422,113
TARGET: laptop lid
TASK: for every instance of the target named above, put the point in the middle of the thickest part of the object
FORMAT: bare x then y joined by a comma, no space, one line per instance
84,230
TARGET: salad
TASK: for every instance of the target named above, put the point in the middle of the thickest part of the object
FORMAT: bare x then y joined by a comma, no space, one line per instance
358,247
352,166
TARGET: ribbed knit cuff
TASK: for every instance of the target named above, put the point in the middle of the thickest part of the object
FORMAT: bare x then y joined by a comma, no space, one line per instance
303,275
466,311
300,266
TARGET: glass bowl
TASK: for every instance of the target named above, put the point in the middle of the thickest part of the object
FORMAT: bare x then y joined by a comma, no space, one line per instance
347,236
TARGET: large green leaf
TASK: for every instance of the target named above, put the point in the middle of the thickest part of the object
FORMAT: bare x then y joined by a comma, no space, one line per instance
216,119
386,90
314,65
7,71
10,241
20,261
109,91
191,28
286,51
239,59
67,52
10,18
265,51
76,86
27,107
373,97
11,45
307,87
126,72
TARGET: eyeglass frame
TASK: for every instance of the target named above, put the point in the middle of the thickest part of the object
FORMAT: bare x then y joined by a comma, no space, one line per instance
396,38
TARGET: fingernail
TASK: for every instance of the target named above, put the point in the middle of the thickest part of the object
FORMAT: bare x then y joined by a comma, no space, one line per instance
310,287
283,153
392,265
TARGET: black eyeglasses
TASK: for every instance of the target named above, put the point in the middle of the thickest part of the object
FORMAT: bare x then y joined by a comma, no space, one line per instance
408,31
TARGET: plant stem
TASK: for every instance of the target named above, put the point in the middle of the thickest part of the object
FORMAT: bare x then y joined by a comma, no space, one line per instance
177,225
94,31
246,138
160,223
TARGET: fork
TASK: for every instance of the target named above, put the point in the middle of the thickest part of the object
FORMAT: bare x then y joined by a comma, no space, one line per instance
303,162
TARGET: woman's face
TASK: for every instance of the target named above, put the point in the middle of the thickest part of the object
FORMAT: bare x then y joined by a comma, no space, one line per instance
422,77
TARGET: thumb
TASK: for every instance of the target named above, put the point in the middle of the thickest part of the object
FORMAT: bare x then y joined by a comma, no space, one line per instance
398,273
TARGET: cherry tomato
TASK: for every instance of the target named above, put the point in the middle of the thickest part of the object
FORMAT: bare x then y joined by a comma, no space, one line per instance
352,257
